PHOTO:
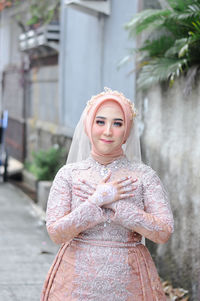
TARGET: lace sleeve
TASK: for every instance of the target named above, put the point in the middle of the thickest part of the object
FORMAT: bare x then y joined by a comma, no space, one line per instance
62,223
155,222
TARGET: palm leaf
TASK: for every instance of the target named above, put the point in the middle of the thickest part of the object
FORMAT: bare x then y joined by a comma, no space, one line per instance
158,70
157,47
147,19
191,13
172,43
180,5
178,49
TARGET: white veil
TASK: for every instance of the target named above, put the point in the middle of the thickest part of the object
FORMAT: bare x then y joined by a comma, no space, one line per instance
80,145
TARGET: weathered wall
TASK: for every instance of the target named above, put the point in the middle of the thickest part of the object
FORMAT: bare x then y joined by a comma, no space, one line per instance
44,93
43,129
171,145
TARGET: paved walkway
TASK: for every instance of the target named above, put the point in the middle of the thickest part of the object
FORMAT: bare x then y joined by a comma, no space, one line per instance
26,251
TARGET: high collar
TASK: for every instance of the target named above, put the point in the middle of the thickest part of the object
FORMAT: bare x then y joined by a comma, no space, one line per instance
111,164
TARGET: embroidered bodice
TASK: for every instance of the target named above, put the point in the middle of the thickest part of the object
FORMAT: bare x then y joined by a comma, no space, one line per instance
147,212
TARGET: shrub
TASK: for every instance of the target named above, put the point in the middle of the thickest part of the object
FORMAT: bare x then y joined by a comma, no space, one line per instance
46,163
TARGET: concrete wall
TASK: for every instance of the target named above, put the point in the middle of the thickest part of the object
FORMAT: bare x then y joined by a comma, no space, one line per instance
91,48
44,93
43,126
171,145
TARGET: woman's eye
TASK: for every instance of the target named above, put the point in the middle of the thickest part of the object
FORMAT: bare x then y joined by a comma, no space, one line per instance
100,122
117,123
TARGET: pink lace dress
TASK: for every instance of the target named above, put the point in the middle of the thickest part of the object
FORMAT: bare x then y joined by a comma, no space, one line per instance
101,256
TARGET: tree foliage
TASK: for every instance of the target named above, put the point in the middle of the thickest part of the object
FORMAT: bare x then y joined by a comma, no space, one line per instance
43,11
172,43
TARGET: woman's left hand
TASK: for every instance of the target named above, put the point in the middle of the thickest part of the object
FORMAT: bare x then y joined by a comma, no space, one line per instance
85,190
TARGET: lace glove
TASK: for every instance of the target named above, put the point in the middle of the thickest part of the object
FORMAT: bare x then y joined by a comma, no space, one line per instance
104,194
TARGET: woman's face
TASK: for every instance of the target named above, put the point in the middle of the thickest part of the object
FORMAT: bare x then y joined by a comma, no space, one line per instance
108,128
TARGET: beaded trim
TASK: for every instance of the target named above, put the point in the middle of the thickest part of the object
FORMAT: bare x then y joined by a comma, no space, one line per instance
114,93
121,162
111,244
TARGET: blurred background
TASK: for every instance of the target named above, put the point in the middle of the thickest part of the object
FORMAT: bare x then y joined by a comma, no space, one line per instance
56,54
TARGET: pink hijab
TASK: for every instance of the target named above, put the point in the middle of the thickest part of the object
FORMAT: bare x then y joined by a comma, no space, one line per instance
93,106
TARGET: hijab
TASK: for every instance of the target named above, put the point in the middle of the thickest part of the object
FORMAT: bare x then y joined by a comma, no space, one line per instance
93,106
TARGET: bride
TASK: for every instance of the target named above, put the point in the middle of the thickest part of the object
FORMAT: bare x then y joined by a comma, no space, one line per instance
102,204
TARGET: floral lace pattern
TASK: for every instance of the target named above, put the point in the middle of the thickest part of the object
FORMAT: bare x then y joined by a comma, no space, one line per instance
104,258
103,193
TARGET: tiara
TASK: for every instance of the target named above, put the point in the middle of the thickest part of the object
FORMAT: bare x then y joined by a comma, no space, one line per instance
114,93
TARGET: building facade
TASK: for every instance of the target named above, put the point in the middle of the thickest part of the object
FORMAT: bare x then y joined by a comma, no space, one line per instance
45,85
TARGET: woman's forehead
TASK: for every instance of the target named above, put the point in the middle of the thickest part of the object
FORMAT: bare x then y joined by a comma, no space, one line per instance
110,107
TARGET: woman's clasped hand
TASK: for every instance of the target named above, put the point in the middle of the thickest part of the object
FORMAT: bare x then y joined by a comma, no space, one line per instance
106,194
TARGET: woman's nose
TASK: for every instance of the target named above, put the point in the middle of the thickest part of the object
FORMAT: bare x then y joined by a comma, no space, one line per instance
108,130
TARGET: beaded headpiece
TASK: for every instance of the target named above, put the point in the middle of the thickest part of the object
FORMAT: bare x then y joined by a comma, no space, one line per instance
110,93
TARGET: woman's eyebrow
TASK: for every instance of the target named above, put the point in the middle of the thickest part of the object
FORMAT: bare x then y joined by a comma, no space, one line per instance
116,119
119,119
101,117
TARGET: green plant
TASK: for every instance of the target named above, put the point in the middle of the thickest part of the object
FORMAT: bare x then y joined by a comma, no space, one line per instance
43,11
40,11
172,43
46,163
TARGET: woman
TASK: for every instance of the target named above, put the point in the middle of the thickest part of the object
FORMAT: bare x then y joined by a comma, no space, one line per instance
100,208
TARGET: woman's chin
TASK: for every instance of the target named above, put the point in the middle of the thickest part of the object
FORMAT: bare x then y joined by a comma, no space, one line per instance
106,151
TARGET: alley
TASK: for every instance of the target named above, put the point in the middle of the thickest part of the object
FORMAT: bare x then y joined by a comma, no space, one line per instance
26,251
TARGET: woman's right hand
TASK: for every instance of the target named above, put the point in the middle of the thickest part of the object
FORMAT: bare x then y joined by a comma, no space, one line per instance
106,193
